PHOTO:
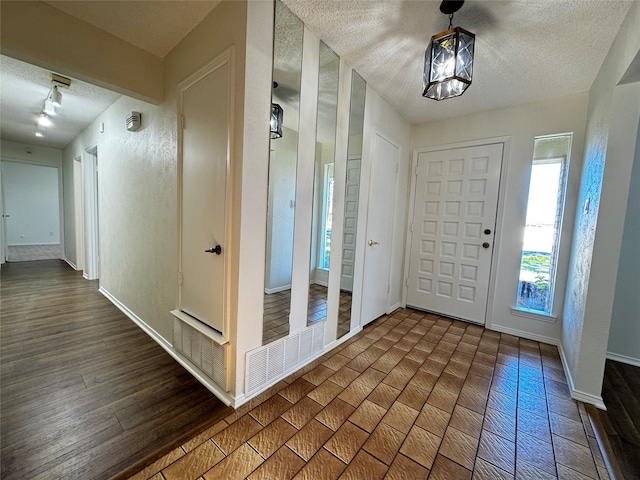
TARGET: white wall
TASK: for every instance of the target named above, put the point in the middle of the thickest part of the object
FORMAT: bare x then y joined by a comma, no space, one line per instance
597,238
31,198
521,124
30,154
624,336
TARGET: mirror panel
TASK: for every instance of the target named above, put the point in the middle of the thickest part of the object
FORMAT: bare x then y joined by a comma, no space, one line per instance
287,69
352,193
329,70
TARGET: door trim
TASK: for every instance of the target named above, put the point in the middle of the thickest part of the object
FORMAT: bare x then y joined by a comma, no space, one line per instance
505,141
227,57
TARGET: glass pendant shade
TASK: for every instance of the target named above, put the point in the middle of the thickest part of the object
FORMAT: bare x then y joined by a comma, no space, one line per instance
448,64
276,121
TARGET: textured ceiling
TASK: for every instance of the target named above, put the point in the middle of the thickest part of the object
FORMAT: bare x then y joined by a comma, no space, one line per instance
154,26
526,50
24,90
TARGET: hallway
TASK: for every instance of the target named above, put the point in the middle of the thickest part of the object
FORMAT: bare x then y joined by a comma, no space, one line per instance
86,394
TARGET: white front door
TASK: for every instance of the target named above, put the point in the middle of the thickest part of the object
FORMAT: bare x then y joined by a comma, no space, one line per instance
352,192
205,110
454,218
377,260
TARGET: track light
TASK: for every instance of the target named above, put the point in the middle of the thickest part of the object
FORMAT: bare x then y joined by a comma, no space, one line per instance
44,120
56,96
49,108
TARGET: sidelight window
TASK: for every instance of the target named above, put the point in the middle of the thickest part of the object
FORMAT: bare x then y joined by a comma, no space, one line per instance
545,205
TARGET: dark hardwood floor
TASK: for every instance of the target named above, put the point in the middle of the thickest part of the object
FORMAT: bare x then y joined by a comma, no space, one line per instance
618,428
85,393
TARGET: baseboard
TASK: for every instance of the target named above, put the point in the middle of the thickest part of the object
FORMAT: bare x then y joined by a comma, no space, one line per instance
70,263
269,291
225,397
527,335
595,400
395,306
623,359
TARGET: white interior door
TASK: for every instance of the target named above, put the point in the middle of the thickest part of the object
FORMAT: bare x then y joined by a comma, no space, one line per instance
377,260
204,191
454,217
352,192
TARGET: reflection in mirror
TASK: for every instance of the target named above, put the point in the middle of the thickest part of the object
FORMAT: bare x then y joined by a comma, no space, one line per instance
287,67
352,192
323,183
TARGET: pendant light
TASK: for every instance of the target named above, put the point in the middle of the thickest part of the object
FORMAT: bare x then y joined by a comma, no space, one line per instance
276,118
448,61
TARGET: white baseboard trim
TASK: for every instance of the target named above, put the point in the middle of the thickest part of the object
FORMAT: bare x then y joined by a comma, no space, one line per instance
616,357
579,395
394,307
70,263
225,397
527,335
269,291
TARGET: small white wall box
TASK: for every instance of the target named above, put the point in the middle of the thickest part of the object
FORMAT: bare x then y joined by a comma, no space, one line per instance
134,120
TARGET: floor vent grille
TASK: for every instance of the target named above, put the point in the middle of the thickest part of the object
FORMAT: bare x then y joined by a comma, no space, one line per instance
203,352
273,361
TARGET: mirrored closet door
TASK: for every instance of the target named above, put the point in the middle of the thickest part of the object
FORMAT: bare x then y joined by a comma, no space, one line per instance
287,68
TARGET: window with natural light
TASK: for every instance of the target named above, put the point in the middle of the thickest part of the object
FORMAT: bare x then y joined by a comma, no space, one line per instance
545,206
327,216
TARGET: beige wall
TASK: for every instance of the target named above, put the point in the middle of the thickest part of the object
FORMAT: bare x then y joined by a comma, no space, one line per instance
521,124
38,33
598,234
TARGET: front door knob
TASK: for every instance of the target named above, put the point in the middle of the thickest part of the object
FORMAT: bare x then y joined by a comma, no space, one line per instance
485,245
217,250
372,243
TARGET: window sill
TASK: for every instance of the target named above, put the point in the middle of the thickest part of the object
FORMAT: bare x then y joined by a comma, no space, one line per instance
533,315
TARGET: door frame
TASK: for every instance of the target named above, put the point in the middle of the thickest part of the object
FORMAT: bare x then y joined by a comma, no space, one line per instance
225,58
3,230
505,141
91,245
360,279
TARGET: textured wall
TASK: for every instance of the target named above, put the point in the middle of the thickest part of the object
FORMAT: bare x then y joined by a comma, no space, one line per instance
586,322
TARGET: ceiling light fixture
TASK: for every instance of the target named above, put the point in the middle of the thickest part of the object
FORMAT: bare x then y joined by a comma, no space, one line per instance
448,61
276,118
39,133
49,107
44,120
55,96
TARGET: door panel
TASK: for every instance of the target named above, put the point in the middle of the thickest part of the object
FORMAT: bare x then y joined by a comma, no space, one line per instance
454,217
352,193
377,261
204,177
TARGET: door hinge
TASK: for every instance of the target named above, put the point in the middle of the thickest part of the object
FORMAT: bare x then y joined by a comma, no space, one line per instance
397,168
406,281
411,227
388,288
182,121
180,278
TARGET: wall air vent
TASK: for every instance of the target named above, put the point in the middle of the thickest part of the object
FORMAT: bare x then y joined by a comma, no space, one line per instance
134,120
